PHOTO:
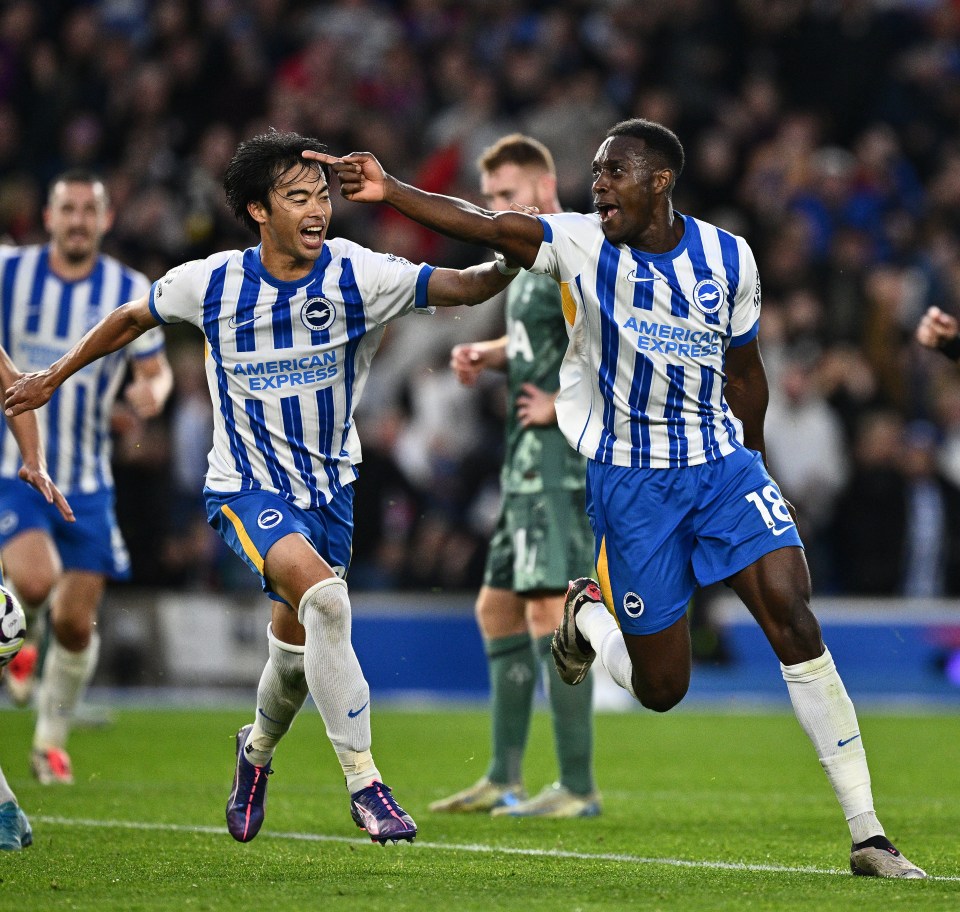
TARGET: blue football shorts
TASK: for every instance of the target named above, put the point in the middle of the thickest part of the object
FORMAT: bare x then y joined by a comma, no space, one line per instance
92,543
251,522
661,532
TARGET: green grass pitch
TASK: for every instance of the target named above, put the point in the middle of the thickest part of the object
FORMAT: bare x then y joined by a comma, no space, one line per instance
702,812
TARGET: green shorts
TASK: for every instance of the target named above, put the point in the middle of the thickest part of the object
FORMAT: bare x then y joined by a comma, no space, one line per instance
541,542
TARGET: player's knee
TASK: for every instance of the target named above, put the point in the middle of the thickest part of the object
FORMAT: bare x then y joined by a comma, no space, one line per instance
35,590
660,696
796,636
544,615
72,632
328,599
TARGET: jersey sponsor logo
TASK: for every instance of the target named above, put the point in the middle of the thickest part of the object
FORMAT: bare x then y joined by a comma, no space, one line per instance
664,339
269,518
632,604
288,372
317,314
636,279
708,295
234,323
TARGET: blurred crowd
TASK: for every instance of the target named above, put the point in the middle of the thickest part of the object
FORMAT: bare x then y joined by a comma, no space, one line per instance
827,132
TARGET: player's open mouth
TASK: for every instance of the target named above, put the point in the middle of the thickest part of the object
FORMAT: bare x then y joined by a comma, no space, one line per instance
313,236
607,211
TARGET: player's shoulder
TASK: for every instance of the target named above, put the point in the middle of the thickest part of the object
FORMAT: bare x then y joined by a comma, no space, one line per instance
705,227
193,270
10,250
344,249
570,222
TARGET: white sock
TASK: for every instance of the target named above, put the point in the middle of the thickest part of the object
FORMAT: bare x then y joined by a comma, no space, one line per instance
6,793
64,679
336,680
826,714
600,628
280,694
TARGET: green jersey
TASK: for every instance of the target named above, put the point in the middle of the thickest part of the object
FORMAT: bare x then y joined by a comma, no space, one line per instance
536,458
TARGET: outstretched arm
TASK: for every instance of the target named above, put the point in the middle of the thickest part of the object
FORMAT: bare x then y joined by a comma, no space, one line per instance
27,434
473,285
113,332
363,180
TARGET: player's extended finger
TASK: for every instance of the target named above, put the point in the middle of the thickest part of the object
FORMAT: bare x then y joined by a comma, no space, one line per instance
323,157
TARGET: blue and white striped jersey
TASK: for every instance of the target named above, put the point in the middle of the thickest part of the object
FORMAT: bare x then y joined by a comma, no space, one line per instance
286,362
42,317
642,381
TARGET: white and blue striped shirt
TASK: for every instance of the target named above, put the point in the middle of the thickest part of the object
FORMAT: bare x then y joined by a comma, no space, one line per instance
642,380
286,362
42,317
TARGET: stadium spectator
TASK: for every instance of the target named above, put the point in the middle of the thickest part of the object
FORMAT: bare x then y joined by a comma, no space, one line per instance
290,327
931,535
676,498
866,537
542,538
806,452
51,295
152,94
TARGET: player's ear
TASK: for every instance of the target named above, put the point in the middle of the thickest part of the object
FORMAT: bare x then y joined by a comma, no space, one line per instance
258,212
663,180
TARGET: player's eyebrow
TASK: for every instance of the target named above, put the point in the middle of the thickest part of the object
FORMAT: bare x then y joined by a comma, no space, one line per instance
323,187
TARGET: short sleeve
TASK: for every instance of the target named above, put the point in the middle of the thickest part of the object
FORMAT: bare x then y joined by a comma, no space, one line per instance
177,296
390,286
745,323
568,240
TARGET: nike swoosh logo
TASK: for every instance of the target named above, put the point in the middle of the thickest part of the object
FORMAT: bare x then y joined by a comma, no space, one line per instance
633,277
781,531
846,741
234,323
353,713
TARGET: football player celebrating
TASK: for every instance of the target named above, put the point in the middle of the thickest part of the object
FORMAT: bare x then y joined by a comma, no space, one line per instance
662,388
291,326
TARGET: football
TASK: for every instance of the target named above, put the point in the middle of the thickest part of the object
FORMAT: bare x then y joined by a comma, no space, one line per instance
13,626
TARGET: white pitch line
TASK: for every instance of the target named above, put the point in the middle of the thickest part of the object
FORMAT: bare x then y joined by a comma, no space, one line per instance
472,847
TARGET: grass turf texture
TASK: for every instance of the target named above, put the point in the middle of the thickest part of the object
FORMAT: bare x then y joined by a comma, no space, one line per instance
689,798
